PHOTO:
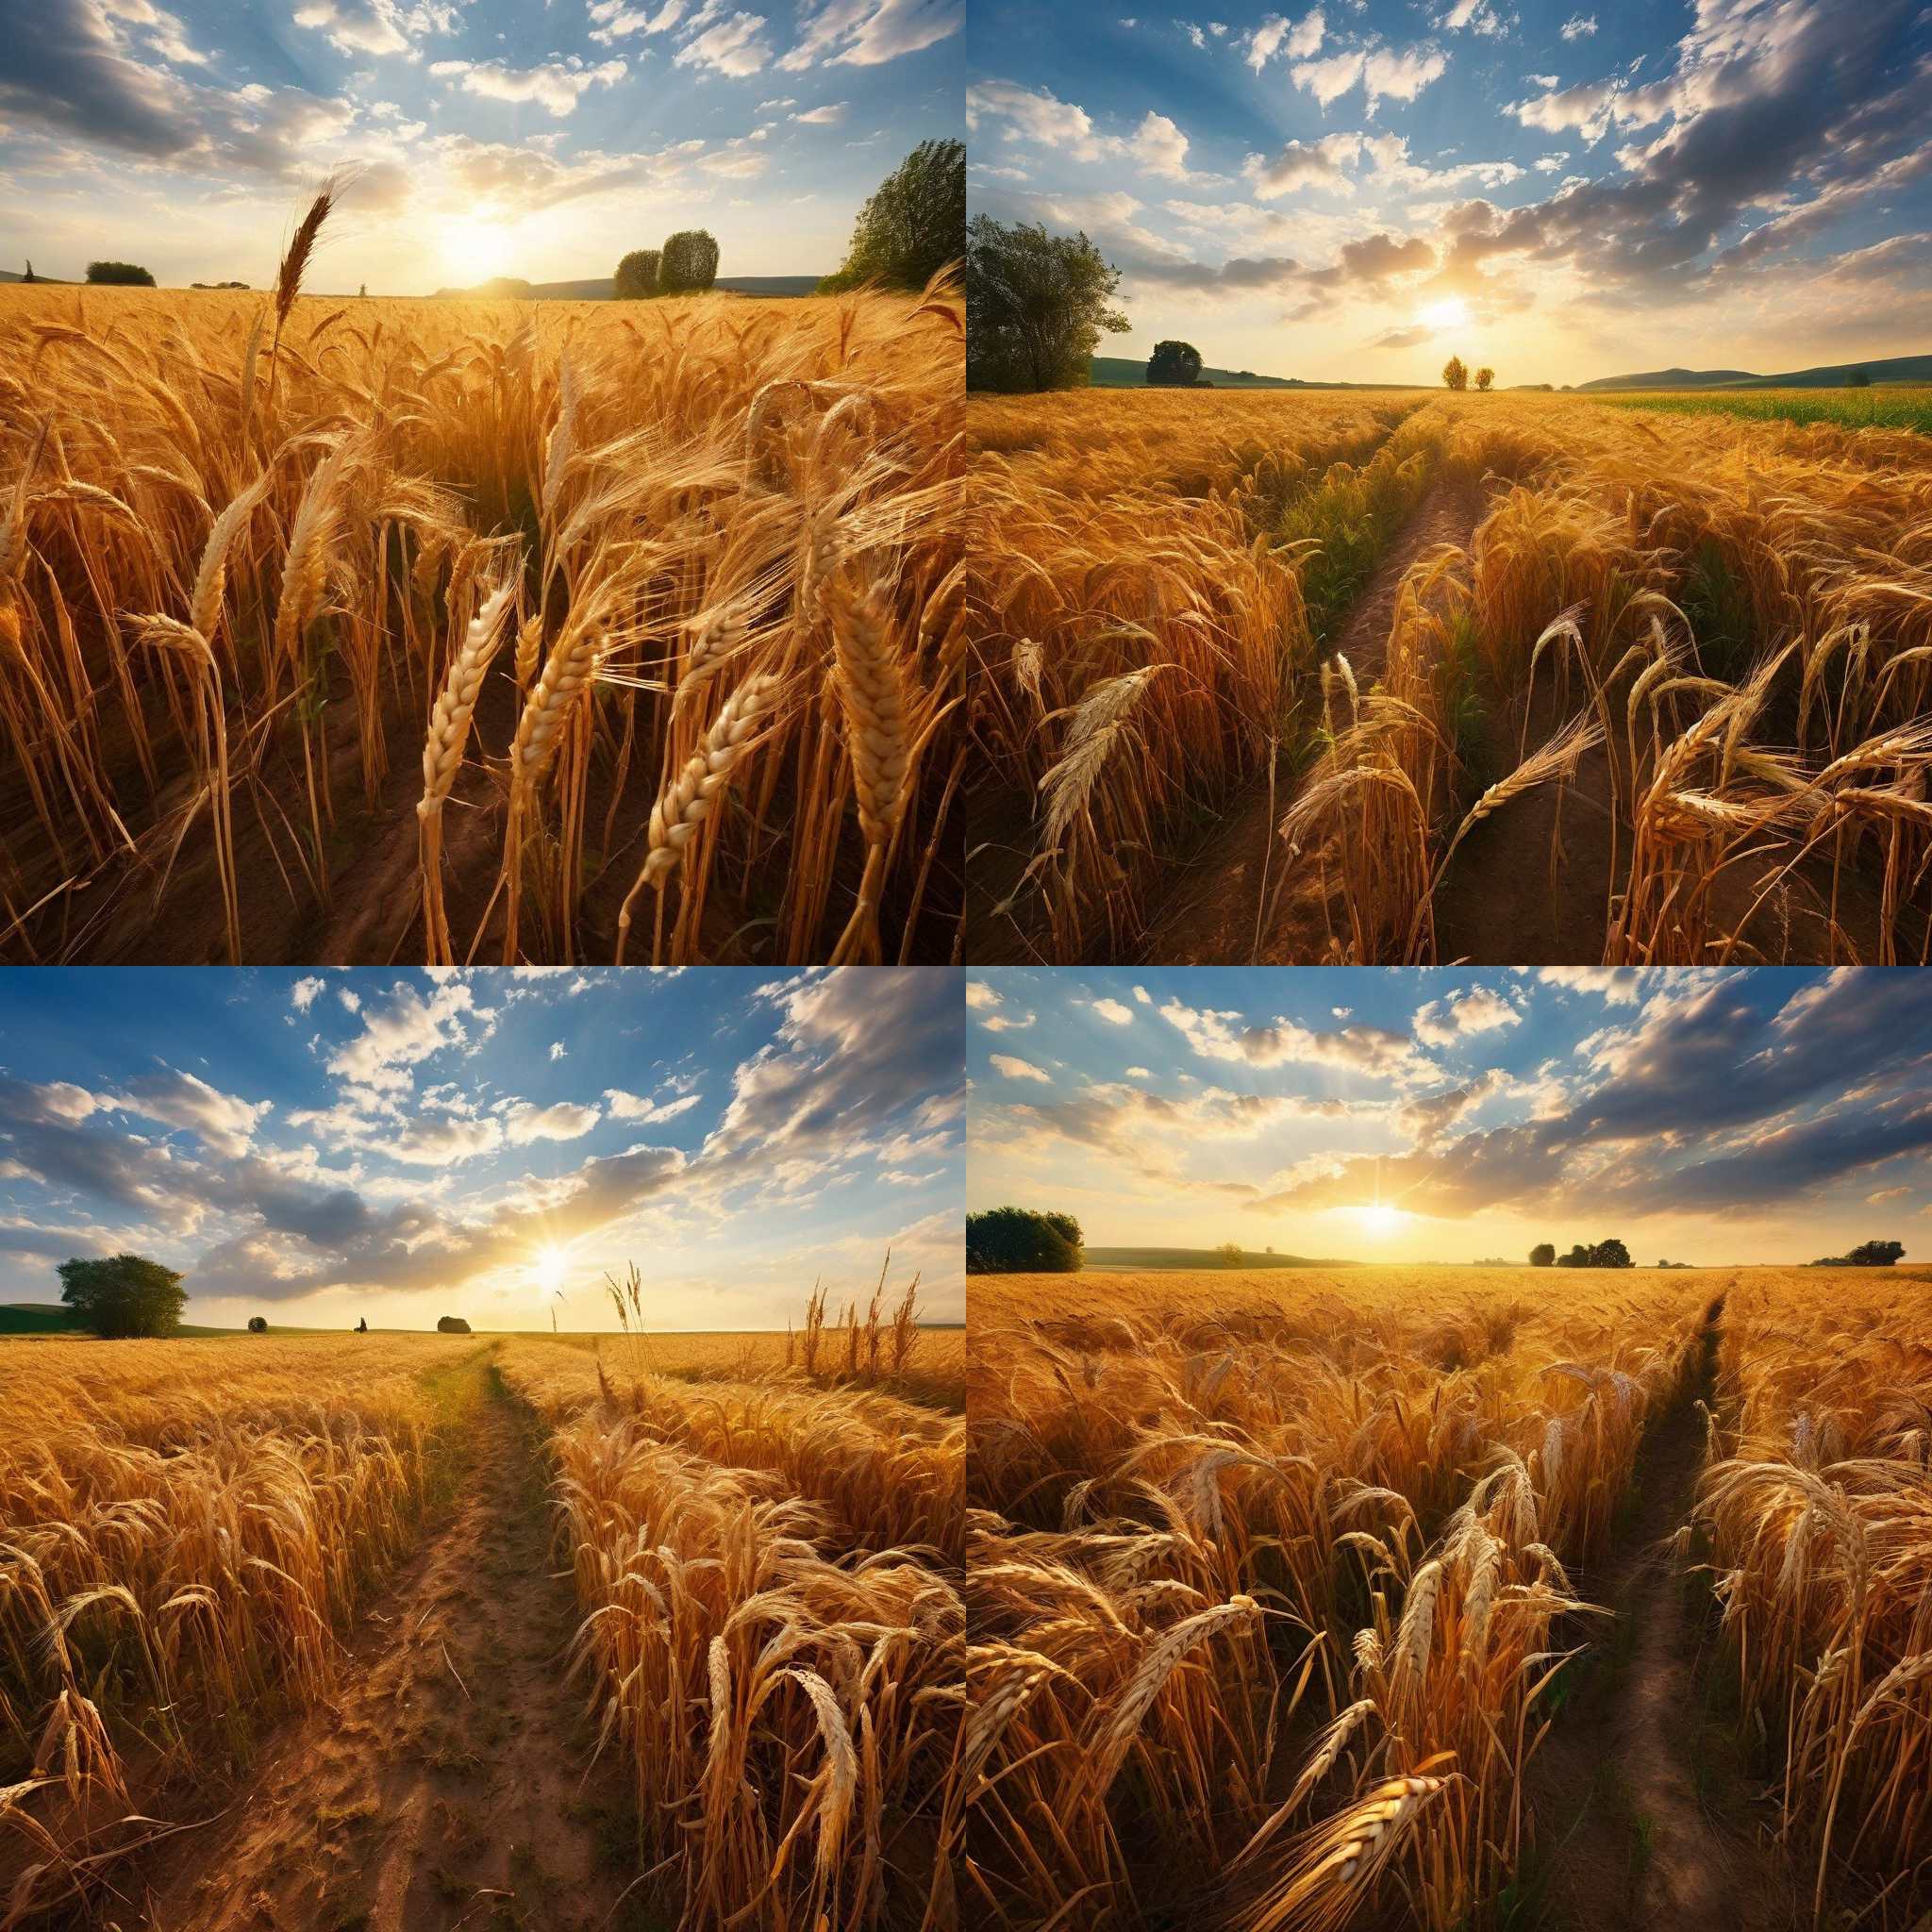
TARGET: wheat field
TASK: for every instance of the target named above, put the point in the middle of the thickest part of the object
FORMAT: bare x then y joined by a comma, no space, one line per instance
447,631
1450,1597
589,1631
1413,652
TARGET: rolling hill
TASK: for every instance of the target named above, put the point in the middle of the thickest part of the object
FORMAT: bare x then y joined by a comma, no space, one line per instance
1139,1260
1826,376
597,289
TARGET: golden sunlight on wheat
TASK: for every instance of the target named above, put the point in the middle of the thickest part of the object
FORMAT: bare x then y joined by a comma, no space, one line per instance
1388,679
1295,1598
451,631
313,1563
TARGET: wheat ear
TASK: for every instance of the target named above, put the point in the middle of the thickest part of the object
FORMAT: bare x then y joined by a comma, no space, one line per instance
686,803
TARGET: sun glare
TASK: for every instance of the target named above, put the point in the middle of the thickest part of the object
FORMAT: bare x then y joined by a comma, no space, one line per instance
1450,314
474,247
548,1269
1379,1218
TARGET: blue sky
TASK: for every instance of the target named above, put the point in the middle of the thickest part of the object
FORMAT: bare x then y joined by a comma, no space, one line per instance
1441,1114
491,136
319,1146
1355,190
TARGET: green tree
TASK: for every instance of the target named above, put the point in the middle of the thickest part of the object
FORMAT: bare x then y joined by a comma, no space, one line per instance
1231,1253
452,1324
1857,379
1018,1241
126,1295
912,226
637,275
1875,1254
1037,305
1484,378
688,263
258,1324
1609,1254
1578,1257
1542,1255
1174,365
120,272
1455,373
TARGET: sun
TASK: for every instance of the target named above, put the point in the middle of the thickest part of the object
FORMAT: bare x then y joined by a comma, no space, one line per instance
549,1268
1379,1219
474,247
1452,313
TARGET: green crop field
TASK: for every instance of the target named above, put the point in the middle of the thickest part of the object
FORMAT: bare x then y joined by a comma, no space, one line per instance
1892,405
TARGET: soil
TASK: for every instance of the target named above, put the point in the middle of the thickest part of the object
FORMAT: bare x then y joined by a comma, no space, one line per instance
1212,919
1645,1814
450,1780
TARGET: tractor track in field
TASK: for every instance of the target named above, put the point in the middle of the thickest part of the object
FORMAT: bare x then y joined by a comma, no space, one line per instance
1212,912
448,1781
1646,1816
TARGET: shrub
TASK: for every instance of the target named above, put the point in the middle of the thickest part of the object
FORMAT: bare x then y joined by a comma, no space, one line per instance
122,274
688,264
637,275
127,1295
1018,1241
913,224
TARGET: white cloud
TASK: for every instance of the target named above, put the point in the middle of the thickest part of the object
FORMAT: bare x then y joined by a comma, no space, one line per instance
733,47
1479,1010
1113,1010
304,993
868,33
1020,1070
632,1107
1578,24
565,1121
553,84
557,1049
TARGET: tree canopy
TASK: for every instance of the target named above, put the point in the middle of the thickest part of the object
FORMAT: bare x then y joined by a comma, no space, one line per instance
1866,1254
124,1295
913,224
637,274
1018,1241
1174,365
1037,305
121,273
689,262
1542,1255
1455,373
1484,377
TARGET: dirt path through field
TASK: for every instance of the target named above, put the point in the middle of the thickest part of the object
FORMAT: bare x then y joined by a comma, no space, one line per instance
1645,1817
1211,914
443,1786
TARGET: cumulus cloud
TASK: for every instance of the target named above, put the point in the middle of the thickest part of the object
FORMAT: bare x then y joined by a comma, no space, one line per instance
565,1120
1016,1069
1476,1009
557,85
733,47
